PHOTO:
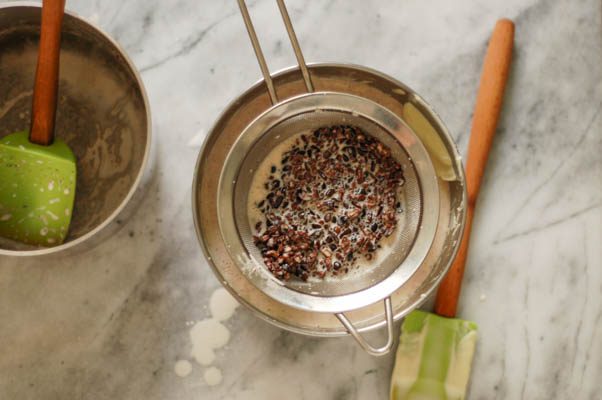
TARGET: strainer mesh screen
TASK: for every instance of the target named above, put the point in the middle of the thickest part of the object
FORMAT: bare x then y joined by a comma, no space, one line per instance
385,261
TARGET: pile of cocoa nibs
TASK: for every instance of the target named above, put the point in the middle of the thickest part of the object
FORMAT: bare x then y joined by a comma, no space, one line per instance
331,201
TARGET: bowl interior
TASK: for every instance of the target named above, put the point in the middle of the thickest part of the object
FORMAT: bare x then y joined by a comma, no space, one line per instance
101,112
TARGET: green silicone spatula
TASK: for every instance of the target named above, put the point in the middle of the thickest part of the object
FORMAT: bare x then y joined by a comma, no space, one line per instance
37,171
435,352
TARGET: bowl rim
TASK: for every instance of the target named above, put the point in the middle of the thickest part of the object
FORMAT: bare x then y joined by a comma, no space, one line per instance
145,157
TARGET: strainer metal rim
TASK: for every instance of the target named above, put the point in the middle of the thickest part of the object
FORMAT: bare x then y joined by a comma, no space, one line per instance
261,277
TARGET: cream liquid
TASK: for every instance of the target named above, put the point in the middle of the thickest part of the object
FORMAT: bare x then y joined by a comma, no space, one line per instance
258,192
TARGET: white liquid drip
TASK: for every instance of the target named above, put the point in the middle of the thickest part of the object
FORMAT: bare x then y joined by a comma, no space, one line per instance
183,368
209,335
213,376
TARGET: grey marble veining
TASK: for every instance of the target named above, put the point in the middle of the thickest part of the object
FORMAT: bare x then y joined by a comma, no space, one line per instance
111,322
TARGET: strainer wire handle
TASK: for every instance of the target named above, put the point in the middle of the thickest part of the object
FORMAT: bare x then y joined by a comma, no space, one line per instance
259,53
295,43
375,351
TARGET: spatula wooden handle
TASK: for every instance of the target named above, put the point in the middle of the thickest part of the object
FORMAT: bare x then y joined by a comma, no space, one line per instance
484,124
47,73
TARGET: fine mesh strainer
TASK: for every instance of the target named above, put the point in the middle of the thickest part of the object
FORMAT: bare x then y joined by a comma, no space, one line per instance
304,114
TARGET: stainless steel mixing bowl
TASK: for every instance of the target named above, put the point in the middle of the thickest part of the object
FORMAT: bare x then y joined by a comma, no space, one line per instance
103,114
368,84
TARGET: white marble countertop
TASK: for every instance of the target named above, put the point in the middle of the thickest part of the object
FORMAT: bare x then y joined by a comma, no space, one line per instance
111,322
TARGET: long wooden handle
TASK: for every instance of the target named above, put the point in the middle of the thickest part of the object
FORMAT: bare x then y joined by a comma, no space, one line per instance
484,124
47,73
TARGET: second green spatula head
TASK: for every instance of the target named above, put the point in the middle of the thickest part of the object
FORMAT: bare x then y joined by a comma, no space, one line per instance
434,358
